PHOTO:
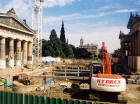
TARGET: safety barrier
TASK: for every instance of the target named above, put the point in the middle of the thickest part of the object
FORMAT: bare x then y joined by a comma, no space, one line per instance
15,98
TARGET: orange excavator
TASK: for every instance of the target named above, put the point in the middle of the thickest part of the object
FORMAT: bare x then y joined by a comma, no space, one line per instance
106,81
106,60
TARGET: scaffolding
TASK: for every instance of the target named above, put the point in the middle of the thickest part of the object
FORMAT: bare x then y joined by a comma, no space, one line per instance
37,11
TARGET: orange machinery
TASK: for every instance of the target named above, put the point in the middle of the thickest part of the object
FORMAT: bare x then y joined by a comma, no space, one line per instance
105,60
107,81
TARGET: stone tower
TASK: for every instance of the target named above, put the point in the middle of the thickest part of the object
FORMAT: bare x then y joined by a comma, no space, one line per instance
81,41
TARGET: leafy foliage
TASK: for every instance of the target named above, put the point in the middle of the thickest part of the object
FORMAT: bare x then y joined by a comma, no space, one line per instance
57,48
116,53
81,53
54,47
67,50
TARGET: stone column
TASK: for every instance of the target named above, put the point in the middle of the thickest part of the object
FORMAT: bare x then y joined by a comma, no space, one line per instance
131,53
11,53
18,52
30,53
2,53
136,52
25,52
131,45
138,64
133,50
138,43
128,61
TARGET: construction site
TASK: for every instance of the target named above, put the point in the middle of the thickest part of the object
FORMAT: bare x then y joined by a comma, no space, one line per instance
70,82
28,78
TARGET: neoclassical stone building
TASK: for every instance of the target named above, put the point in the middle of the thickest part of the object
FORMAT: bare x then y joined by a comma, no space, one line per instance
130,44
16,39
92,48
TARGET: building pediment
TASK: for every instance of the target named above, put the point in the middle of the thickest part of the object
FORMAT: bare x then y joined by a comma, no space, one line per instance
11,21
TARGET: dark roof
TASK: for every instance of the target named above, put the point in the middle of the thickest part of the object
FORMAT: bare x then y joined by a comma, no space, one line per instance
133,19
122,35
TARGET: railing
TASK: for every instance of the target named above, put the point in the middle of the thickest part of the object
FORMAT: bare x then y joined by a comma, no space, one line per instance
79,74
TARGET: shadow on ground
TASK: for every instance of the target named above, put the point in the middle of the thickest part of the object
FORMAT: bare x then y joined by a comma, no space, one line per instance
85,94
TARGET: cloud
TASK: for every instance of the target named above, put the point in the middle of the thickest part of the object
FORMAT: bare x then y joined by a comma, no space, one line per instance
74,16
95,33
52,3
109,35
110,6
126,10
101,0
23,8
92,33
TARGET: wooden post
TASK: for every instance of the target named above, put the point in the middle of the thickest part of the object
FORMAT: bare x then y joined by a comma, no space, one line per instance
78,72
65,72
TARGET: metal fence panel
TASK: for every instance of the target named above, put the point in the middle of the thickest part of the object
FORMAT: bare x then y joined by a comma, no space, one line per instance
19,99
52,101
70,101
82,102
4,97
64,101
9,98
35,99
25,99
58,101
46,100
14,97
41,100
30,98
0,97
76,102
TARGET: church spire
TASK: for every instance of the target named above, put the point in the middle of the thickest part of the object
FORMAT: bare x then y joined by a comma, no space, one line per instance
62,23
130,22
62,33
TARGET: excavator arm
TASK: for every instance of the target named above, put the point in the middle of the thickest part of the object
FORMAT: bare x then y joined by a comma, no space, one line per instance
105,60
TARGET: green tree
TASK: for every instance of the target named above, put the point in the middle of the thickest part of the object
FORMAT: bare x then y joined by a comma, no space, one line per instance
52,47
56,44
116,53
81,53
56,48
73,49
67,50
62,33
47,49
53,35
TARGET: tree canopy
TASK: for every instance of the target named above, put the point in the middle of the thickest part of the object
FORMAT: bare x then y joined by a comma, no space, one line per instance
116,53
55,47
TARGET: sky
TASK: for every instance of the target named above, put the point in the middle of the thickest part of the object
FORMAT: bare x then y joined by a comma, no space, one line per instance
96,21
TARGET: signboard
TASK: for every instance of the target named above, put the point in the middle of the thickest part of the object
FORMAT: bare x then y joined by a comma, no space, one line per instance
48,81
108,82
